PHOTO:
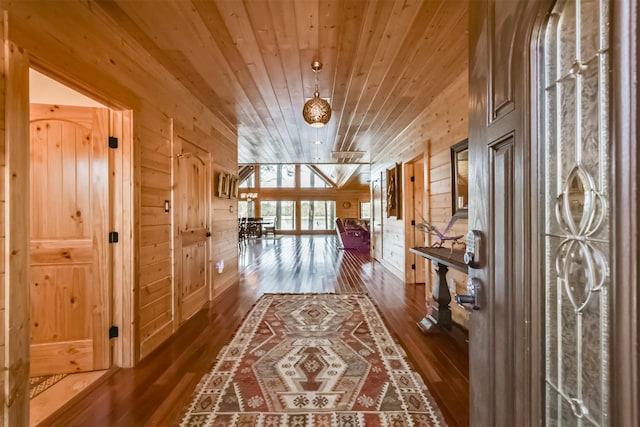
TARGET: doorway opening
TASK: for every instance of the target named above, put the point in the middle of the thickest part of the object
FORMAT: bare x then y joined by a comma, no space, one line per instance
80,192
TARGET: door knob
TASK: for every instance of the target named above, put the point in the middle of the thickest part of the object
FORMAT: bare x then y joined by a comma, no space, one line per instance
466,299
470,301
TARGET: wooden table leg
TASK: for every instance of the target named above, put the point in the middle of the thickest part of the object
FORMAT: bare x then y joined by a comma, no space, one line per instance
440,313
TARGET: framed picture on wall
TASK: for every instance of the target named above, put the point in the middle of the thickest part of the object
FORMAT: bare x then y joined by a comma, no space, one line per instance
398,190
460,179
235,184
394,191
391,192
224,185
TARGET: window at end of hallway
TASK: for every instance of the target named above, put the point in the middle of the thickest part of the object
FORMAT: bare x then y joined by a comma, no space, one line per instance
365,210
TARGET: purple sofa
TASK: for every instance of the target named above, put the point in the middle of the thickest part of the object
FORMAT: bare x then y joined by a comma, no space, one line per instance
354,237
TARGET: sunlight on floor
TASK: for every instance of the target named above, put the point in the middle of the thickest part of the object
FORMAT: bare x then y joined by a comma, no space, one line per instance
56,396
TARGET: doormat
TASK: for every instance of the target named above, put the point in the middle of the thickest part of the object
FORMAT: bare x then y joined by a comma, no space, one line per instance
312,360
39,384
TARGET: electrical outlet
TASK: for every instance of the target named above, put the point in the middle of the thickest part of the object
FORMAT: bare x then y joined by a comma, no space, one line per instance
220,266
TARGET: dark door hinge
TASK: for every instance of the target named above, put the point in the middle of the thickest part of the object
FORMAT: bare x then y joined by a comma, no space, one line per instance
113,332
413,179
413,222
113,237
413,266
113,142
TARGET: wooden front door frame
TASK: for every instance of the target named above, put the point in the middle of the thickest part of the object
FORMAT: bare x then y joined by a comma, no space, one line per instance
15,380
122,208
625,273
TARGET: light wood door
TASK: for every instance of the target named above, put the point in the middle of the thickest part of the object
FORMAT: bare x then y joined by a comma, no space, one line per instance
193,201
69,238
377,222
416,237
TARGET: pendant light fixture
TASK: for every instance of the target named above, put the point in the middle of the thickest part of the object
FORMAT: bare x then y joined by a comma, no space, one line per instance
316,111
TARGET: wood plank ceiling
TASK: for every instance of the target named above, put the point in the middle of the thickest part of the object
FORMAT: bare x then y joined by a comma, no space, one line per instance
250,62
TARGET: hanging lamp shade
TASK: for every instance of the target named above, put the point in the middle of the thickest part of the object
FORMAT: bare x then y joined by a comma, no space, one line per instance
316,111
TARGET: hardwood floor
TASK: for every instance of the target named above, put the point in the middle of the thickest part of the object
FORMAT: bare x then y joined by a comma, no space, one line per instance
157,390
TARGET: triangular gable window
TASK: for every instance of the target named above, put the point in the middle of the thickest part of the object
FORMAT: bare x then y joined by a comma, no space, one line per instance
247,175
311,178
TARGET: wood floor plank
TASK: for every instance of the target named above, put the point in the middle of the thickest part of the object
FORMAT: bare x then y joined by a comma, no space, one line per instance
157,391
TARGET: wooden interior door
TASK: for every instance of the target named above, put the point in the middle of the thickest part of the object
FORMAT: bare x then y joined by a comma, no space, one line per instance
377,222
418,214
193,201
69,195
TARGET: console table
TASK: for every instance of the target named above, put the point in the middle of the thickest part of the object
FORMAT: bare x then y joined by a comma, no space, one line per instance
443,259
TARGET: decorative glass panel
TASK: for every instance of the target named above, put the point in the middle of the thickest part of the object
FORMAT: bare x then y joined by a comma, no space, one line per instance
576,217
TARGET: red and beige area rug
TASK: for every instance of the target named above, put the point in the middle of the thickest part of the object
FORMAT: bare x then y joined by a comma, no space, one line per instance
37,385
318,360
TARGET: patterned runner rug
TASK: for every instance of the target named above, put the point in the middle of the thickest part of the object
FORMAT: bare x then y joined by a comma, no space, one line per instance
312,360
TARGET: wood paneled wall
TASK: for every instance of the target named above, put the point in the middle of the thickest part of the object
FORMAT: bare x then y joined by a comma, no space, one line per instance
354,198
441,125
3,225
155,316
83,48
225,225
448,127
